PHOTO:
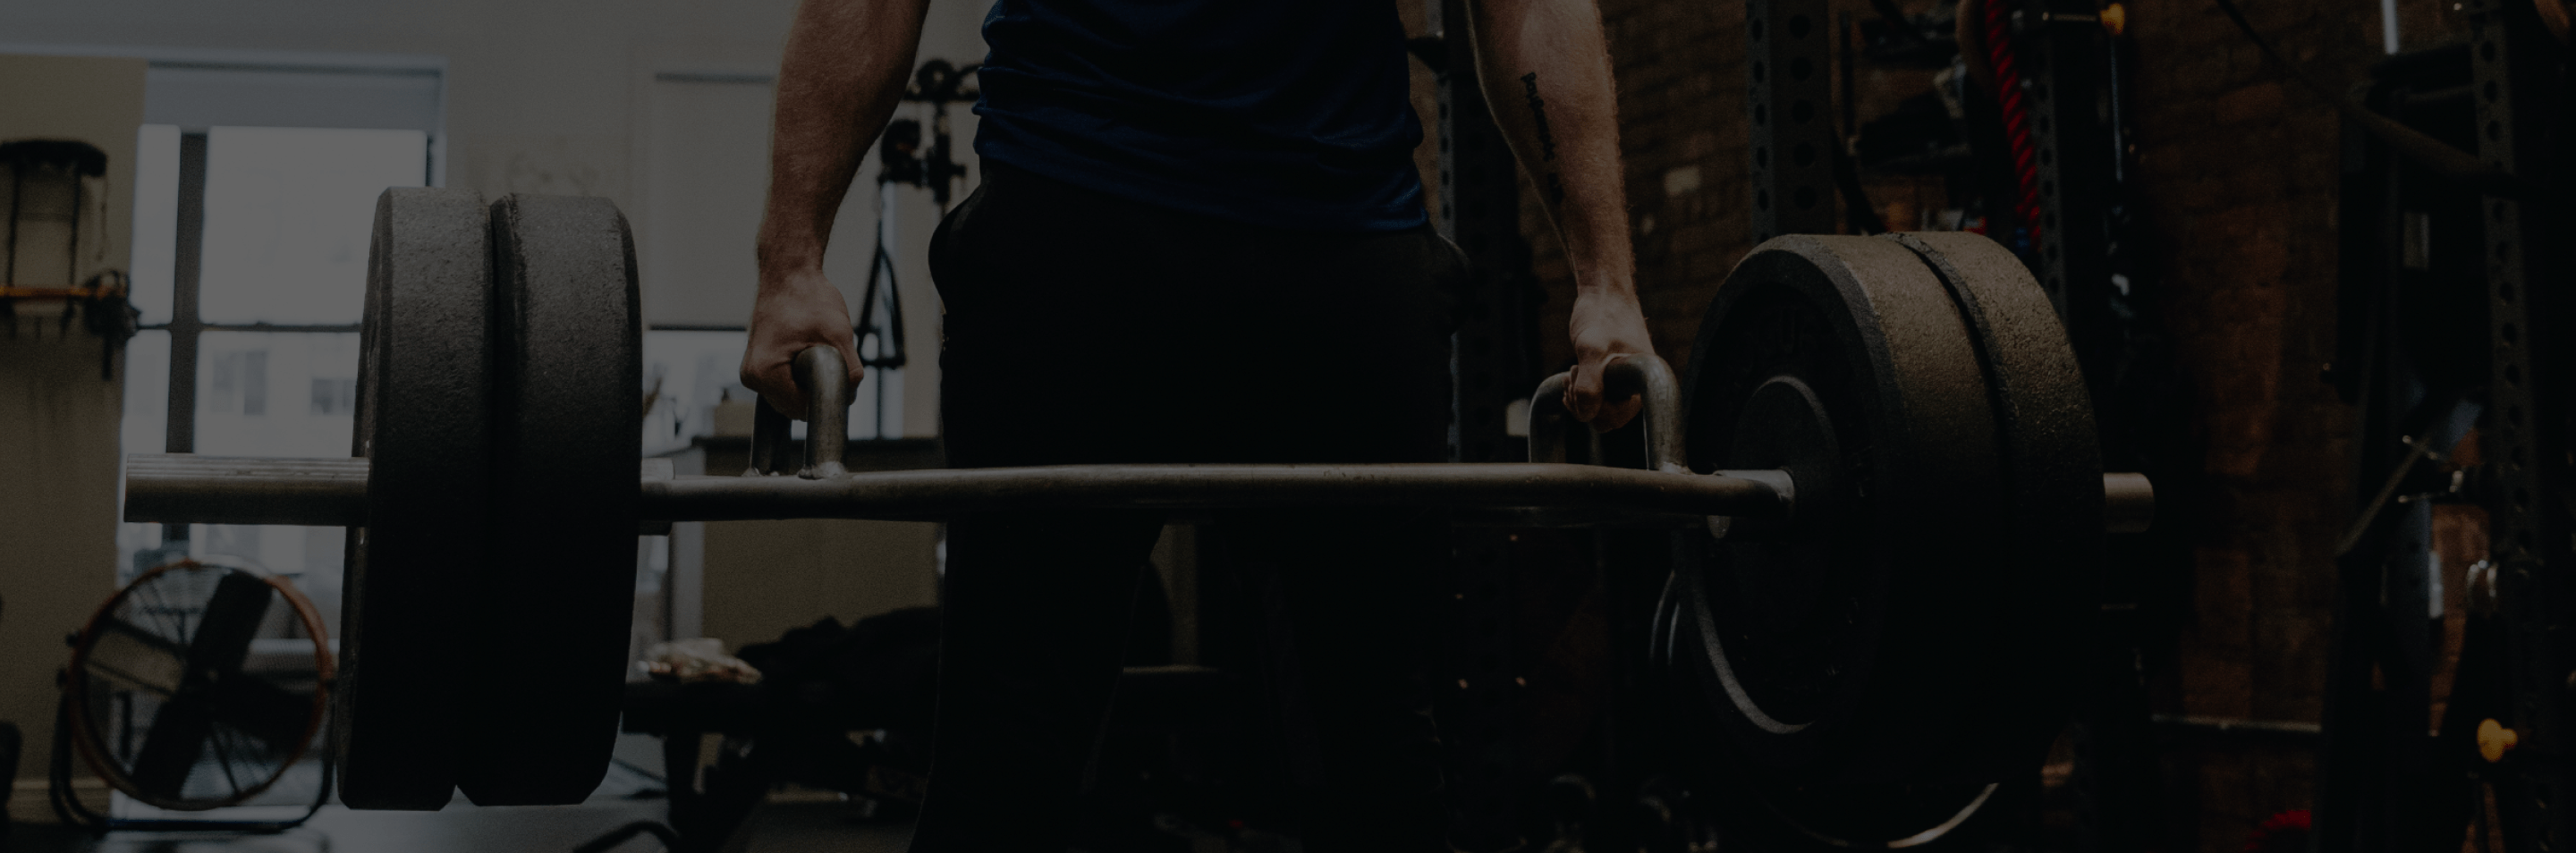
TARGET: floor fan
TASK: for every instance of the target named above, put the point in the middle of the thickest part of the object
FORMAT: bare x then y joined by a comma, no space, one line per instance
198,686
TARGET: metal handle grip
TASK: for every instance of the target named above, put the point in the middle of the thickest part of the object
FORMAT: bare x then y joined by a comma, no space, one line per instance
1641,374
826,383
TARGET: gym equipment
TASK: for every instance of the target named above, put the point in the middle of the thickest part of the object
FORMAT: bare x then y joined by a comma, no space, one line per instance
423,404
171,698
542,716
1868,427
1920,394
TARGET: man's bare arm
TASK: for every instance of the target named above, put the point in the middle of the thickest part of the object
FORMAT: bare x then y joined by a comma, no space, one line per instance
843,75
1546,73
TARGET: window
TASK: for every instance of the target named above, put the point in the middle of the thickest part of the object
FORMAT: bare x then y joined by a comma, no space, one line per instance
252,334
250,272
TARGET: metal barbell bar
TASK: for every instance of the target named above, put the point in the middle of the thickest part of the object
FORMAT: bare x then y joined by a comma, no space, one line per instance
333,492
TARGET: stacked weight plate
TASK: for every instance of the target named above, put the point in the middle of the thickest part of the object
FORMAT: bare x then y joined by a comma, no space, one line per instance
1915,622
567,435
489,592
2050,543
424,423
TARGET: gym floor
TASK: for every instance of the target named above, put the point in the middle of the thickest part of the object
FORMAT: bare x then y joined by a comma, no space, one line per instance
793,821
777,828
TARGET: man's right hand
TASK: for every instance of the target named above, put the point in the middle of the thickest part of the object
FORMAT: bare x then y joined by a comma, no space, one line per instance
793,313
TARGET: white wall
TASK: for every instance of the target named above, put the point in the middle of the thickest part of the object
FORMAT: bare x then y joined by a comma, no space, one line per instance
553,96
58,416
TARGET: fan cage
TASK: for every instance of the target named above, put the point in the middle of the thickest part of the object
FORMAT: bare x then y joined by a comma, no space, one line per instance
91,743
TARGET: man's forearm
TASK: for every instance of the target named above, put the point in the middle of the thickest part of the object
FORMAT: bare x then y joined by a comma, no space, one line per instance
1546,74
844,71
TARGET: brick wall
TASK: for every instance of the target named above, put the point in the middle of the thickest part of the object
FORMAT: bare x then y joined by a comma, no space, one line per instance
2237,168
1681,77
2236,172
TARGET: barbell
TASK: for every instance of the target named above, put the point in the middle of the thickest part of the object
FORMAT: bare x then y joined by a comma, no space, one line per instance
1880,467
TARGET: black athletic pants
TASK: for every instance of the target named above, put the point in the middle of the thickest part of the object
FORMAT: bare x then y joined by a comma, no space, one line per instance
1082,328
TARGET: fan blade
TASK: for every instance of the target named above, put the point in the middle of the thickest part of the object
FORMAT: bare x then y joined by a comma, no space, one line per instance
145,660
172,747
177,739
261,709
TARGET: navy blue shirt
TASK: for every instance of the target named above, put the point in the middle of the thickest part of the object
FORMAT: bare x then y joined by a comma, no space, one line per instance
1288,114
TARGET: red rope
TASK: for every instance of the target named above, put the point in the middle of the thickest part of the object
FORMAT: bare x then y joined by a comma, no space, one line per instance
2016,110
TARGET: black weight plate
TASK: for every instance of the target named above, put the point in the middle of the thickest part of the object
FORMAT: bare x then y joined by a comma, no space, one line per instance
423,422
1847,644
1755,814
566,446
2052,466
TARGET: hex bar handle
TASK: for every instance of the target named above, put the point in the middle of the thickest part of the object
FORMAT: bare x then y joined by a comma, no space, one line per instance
770,433
1642,374
820,373
827,410
2128,503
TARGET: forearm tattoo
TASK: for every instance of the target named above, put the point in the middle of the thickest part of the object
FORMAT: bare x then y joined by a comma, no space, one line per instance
1552,183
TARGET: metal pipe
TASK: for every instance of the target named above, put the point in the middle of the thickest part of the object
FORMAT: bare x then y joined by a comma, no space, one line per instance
238,490
1642,374
2128,503
769,436
221,490
2230,726
826,382
333,492
943,493
1547,417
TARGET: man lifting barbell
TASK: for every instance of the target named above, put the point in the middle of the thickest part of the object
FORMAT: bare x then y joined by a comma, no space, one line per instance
1213,207
1887,441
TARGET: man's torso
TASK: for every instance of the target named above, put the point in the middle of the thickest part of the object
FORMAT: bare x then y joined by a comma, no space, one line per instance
1292,115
